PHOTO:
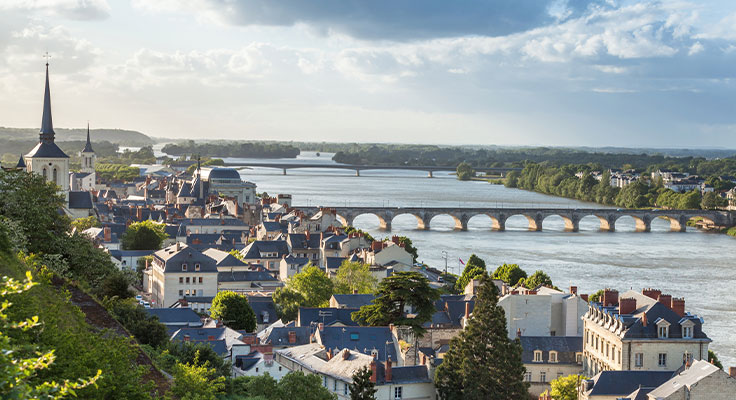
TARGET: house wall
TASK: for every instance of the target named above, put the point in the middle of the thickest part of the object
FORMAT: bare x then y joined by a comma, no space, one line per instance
528,313
552,371
37,165
392,253
716,386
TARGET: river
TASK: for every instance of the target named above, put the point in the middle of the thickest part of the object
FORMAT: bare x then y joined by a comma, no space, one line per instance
695,265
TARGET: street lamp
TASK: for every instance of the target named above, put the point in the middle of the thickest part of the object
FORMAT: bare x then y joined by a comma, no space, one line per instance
444,255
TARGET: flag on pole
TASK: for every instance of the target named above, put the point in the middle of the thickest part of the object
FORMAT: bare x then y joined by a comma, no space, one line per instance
461,261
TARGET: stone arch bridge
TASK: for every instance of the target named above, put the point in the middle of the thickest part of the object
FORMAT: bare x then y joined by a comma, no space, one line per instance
535,216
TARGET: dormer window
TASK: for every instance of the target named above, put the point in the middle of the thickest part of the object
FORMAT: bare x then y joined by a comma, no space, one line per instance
687,329
553,356
196,267
184,266
537,355
663,328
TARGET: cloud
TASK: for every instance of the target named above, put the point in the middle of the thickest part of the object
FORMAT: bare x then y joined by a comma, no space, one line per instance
398,20
71,9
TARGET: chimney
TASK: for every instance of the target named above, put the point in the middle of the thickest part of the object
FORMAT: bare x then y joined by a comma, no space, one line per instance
518,332
391,327
626,306
665,299
292,337
584,297
321,326
107,232
183,303
388,368
610,297
139,214
395,239
373,370
678,306
651,293
329,354
467,310
644,319
345,354
306,235
732,372
210,337
573,290
178,246
186,338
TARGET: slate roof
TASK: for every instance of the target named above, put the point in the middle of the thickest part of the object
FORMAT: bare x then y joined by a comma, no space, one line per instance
21,163
255,248
220,173
622,383
225,334
176,316
245,276
273,226
353,300
300,261
565,346
299,241
279,336
327,315
80,200
689,377
223,258
334,262
363,339
173,260
409,374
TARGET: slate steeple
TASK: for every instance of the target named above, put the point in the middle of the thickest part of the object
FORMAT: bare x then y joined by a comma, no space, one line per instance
47,125
88,145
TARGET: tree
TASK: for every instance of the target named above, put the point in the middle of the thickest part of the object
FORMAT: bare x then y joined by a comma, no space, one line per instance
509,273
233,310
145,235
566,387
712,201
297,385
115,284
409,247
197,381
140,266
19,374
713,358
314,285
362,388
538,278
82,224
396,292
254,386
354,276
596,297
482,363
145,327
465,171
287,303
473,268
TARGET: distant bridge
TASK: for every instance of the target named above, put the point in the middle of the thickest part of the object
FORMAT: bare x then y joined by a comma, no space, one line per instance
535,216
357,168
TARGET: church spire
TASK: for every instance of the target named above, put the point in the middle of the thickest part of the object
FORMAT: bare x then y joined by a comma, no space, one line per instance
88,145
47,126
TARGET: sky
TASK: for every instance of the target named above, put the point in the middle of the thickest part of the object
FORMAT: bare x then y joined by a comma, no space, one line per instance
628,73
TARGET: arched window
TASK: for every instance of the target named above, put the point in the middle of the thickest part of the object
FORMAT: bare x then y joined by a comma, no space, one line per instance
56,175
45,173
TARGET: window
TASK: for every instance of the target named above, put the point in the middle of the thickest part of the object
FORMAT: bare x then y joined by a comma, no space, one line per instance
45,173
553,356
638,359
196,267
279,369
56,175
527,376
181,279
200,280
181,293
325,381
184,266
256,369
543,377
397,393
345,389
687,332
662,331
537,356
187,279
662,359
579,358
334,386
354,336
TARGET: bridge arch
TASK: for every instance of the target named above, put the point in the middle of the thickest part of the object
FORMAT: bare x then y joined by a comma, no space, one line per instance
496,223
384,223
571,222
642,222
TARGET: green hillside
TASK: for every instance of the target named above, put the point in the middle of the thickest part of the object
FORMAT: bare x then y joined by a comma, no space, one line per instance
118,136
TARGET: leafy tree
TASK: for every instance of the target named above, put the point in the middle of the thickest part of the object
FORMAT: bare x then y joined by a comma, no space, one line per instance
362,388
712,201
233,310
509,273
566,387
82,224
115,284
116,172
473,268
314,285
287,303
297,385
144,327
713,358
235,253
354,276
596,297
482,363
263,386
464,171
538,278
197,381
366,235
396,292
19,373
190,353
39,219
144,235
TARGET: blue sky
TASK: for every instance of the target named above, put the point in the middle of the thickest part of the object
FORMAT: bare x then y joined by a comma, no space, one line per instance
509,72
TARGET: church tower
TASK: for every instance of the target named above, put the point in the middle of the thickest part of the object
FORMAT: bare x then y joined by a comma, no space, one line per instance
47,159
88,156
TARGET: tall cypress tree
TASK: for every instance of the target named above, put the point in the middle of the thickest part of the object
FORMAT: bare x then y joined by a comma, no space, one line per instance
362,388
482,363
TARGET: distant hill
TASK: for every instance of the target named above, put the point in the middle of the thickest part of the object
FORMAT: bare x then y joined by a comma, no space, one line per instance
119,136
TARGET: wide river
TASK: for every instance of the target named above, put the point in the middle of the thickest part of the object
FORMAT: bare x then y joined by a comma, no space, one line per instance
695,265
